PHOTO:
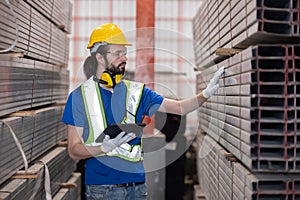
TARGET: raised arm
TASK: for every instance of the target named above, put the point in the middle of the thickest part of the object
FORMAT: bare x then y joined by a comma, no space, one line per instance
185,106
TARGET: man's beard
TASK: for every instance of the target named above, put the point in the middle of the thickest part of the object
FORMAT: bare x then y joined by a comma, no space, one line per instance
117,69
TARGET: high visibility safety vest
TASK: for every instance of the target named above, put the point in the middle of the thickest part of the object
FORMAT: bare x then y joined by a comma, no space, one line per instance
95,114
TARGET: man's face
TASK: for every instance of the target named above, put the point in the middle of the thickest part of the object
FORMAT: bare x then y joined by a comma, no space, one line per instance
116,58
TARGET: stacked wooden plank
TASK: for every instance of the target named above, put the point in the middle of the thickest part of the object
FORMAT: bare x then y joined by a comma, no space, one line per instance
34,84
254,115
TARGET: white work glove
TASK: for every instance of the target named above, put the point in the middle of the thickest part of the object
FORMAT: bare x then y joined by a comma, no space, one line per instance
110,144
213,84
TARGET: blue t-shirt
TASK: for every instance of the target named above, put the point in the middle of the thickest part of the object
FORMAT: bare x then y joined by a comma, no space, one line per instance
104,169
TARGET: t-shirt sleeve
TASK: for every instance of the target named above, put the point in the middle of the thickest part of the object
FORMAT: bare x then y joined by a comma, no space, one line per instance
152,101
74,113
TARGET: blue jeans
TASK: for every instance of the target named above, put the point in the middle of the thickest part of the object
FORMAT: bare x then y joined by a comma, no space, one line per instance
111,192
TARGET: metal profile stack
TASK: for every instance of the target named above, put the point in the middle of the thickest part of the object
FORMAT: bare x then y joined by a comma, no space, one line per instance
58,11
254,116
34,88
70,192
17,76
241,23
11,160
255,113
40,35
37,131
60,168
223,179
8,25
27,83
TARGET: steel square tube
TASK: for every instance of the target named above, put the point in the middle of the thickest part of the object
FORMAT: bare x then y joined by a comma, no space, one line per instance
231,136
237,194
241,172
225,187
276,4
44,6
238,183
237,7
233,129
226,178
233,100
238,24
266,14
230,148
213,16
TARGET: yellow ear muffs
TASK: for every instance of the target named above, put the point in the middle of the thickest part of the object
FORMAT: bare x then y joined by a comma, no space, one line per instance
118,78
107,77
111,79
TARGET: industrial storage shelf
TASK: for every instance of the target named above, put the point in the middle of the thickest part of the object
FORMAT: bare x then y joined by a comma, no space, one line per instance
240,24
255,111
224,179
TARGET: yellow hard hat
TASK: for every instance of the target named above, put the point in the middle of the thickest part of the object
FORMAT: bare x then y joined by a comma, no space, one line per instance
109,33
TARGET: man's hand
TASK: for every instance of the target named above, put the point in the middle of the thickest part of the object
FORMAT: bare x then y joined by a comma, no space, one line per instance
110,144
213,85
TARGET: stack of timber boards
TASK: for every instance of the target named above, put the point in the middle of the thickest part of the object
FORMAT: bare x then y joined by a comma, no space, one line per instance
241,23
254,116
34,84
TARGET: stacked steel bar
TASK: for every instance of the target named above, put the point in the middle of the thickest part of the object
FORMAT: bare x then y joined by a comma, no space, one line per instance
38,37
26,83
238,24
62,14
8,25
255,113
17,76
45,130
37,131
60,168
58,11
61,82
34,84
11,160
72,189
224,179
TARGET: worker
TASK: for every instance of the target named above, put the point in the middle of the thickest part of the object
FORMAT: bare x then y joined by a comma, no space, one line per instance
114,165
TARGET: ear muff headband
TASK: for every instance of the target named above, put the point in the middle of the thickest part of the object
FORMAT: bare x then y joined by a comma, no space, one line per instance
111,79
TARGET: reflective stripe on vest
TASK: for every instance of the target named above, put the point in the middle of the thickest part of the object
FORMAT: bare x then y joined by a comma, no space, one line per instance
132,100
94,110
97,121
